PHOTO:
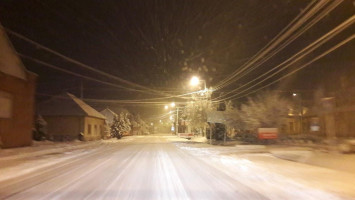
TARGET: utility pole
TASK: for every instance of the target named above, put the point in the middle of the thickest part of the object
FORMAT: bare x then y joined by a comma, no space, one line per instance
177,121
81,89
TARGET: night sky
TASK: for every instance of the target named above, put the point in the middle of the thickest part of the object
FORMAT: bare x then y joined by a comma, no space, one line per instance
161,44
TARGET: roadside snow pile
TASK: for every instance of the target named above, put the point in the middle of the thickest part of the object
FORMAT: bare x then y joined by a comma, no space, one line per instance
248,147
277,178
296,155
331,160
347,146
199,139
41,148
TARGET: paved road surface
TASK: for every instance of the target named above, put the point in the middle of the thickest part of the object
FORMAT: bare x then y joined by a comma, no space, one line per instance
144,168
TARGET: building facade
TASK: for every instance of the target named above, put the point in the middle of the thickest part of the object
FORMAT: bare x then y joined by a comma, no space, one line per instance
69,118
17,90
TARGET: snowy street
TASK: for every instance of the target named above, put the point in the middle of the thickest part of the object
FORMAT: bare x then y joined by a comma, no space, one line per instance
165,167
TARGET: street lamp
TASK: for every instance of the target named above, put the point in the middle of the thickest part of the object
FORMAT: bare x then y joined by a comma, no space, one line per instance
299,98
173,105
196,81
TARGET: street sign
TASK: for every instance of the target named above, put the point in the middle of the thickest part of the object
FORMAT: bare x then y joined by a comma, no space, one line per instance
267,133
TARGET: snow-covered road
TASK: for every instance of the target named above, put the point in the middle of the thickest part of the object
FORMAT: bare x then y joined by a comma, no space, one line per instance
151,167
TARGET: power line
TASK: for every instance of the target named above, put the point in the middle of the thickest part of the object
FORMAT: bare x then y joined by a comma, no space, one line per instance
81,64
303,66
292,38
100,81
297,56
308,12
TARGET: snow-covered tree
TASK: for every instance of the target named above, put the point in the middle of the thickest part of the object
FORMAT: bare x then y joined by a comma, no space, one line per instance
40,131
127,123
115,128
139,124
264,110
195,113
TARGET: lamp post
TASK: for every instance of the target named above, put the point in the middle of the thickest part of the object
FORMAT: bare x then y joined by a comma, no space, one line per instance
299,99
177,118
173,105
194,82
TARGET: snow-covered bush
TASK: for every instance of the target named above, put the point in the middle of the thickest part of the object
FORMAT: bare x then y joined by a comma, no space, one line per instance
40,131
264,110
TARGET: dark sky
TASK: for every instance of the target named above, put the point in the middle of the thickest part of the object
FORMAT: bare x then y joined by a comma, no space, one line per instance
161,43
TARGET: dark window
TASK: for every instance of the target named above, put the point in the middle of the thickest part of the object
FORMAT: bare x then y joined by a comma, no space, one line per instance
89,129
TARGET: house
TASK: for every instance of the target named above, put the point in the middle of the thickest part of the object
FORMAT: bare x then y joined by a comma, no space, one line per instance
17,90
109,114
69,118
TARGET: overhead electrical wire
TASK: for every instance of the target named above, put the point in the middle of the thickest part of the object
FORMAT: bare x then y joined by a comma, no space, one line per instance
73,73
301,54
100,81
292,26
352,37
81,64
87,67
303,17
288,41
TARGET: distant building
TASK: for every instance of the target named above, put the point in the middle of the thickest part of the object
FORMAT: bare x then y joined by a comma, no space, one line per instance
17,89
109,114
70,118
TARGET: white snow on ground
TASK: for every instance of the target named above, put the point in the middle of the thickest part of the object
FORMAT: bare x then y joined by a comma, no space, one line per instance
279,179
134,167
16,162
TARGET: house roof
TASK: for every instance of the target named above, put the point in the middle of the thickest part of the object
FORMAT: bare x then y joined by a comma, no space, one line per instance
67,105
108,112
10,63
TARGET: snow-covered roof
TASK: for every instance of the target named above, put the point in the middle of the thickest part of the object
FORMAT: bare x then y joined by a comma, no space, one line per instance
108,112
10,63
67,105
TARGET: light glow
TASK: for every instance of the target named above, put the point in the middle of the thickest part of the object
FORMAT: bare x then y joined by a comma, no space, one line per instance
194,81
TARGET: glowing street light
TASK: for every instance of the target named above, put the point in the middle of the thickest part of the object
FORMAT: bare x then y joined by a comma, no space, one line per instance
194,81
172,104
166,107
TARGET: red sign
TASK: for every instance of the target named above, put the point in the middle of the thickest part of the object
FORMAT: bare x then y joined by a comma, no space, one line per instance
267,133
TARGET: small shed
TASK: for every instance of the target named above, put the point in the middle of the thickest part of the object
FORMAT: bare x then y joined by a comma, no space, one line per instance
70,118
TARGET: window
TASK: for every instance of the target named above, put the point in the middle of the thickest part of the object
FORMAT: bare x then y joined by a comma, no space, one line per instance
95,129
6,105
291,127
89,129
